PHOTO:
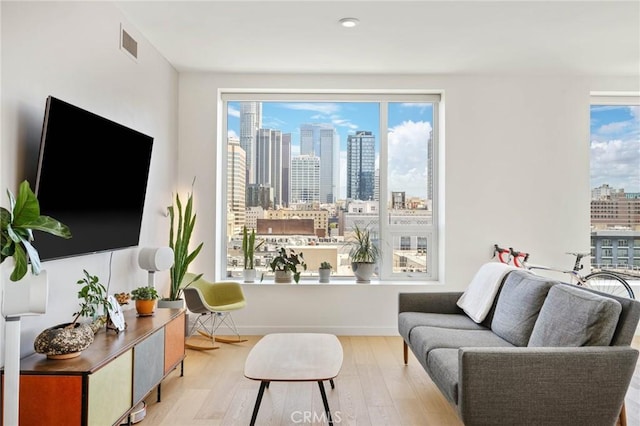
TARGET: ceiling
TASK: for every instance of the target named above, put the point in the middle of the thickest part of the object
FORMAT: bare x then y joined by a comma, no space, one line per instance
397,37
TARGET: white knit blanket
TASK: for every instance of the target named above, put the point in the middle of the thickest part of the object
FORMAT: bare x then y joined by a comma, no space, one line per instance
478,298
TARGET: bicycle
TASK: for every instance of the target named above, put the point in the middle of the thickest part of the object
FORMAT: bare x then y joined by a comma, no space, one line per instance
604,281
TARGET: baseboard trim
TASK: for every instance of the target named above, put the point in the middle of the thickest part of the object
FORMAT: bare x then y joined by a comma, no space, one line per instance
337,330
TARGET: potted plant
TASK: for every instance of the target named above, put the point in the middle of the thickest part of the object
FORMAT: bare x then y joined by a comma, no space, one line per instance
145,298
249,247
364,254
324,272
285,265
68,340
183,220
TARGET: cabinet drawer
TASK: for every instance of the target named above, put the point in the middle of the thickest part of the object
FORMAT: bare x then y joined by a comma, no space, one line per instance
174,343
110,391
148,365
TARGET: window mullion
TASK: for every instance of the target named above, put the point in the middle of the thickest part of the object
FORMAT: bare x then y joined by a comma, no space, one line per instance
386,242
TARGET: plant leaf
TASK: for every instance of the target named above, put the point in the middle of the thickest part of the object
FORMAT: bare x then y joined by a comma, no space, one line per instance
49,225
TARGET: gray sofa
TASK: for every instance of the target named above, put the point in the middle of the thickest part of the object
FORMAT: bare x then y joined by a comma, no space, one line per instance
548,353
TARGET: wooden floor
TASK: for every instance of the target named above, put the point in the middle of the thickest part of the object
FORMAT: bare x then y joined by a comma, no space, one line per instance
374,387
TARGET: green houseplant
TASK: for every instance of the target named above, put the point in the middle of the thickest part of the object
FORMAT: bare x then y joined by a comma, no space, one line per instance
93,296
249,247
145,298
16,230
285,265
364,254
183,220
68,340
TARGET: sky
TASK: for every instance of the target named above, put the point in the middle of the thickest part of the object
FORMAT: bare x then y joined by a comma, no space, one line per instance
409,126
615,138
615,147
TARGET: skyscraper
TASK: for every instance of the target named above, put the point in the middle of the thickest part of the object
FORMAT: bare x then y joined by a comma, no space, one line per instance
286,169
361,163
236,181
269,162
323,141
305,179
250,122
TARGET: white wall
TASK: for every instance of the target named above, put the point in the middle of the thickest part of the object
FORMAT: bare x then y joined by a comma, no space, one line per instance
514,170
497,128
71,50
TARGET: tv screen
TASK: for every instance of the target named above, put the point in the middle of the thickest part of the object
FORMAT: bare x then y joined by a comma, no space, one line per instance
92,176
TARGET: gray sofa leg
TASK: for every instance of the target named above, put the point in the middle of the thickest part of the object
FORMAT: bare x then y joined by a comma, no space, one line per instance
405,353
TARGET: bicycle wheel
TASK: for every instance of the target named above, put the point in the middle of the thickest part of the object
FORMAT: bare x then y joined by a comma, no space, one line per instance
608,282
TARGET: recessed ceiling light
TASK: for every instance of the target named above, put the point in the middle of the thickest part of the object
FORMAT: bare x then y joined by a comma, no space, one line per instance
349,22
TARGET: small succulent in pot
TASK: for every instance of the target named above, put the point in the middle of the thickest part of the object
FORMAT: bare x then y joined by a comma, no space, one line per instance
325,265
144,293
145,298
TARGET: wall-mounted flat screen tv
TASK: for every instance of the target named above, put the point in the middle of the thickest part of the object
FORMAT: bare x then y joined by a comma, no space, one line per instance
92,176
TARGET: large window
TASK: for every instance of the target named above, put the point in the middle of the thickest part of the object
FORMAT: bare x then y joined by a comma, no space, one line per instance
304,170
615,179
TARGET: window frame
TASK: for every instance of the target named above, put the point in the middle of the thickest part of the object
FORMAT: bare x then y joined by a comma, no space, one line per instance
387,231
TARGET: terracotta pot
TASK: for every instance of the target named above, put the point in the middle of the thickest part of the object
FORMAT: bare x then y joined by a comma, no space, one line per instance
145,307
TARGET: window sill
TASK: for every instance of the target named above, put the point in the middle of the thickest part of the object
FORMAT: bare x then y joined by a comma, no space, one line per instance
343,282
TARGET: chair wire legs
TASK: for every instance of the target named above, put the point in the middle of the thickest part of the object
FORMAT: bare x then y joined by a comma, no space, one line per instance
208,323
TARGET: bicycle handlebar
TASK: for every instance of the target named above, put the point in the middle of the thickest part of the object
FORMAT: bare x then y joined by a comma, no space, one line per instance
501,252
519,258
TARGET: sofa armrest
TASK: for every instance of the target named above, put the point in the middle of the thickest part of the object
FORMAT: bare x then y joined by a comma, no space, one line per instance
551,386
437,303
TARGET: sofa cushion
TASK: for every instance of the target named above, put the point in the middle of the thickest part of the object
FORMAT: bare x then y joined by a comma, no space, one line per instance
443,366
423,339
408,320
518,306
572,316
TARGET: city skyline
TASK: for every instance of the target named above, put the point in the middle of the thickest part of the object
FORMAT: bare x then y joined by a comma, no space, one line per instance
410,126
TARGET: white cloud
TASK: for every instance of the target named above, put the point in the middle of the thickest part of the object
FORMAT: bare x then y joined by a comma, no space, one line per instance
615,127
232,134
616,163
407,164
615,152
338,121
323,108
234,112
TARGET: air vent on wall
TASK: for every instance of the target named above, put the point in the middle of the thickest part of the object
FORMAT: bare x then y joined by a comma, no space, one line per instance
128,44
